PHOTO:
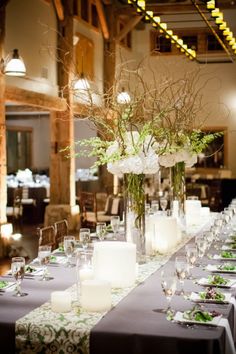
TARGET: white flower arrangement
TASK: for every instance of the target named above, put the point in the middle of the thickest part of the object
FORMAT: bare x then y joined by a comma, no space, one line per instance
139,156
184,155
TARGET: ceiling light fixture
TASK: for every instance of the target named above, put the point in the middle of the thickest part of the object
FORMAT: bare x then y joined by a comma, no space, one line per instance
218,17
123,97
82,83
13,65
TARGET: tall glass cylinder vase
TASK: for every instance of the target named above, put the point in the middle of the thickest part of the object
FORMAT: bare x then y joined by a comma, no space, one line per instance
177,177
134,212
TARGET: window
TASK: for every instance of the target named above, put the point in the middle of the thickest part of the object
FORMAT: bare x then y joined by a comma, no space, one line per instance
126,41
159,43
213,44
191,41
87,11
19,147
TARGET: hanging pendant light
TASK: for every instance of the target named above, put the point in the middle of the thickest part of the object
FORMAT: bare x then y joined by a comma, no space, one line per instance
123,97
82,83
14,65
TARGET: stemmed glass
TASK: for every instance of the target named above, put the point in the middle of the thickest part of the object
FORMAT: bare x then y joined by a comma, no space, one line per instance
201,246
69,247
168,284
181,268
191,255
101,230
163,203
18,272
84,236
44,253
115,224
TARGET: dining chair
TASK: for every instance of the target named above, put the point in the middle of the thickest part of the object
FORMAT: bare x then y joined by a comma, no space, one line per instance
61,230
47,236
91,213
15,212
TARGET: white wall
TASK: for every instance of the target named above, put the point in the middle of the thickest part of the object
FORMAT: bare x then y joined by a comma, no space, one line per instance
31,28
219,94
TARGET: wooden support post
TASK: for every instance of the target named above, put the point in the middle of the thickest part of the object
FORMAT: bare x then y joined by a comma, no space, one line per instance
3,158
3,170
62,169
109,64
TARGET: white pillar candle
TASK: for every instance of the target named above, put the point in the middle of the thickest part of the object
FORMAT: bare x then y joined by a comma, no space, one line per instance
115,262
149,233
175,208
166,233
95,295
85,274
61,301
192,212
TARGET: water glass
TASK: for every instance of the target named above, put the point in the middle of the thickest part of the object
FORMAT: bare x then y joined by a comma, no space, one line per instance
168,284
191,255
163,203
84,236
44,253
18,272
115,224
181,268
69,247
101,230
201,245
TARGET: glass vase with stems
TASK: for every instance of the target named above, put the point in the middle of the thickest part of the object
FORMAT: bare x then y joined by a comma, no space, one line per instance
178,190
134,212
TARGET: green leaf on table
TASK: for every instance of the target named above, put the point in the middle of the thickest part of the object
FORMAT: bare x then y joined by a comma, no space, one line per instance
199,315
227,254
226,267
3,284
29,269
217,280
212,294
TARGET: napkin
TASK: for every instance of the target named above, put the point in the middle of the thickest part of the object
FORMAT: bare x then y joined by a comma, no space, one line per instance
229,342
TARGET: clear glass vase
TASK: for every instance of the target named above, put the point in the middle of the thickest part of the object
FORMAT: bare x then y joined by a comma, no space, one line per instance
134,212
178,190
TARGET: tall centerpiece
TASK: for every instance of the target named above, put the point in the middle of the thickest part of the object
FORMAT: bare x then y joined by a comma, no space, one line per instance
157,125
133,157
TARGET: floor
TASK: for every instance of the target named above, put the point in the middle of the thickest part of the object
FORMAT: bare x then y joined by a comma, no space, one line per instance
26,246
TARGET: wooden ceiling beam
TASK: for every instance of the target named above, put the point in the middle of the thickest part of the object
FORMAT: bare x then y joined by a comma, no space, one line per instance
59,9
36,99
18,109
102,19
128,27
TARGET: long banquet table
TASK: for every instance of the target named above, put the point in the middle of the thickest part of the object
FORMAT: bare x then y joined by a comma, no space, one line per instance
135,325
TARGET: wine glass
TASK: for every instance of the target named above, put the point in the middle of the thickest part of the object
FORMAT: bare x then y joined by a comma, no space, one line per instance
201,246
163,203
181,268
69,247
44,253
168,284
101,230
18,272
115,224
84,236
191,255
155,206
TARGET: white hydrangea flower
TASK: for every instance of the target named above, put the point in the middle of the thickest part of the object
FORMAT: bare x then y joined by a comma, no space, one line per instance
113,148
150,163
191,160
167,160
